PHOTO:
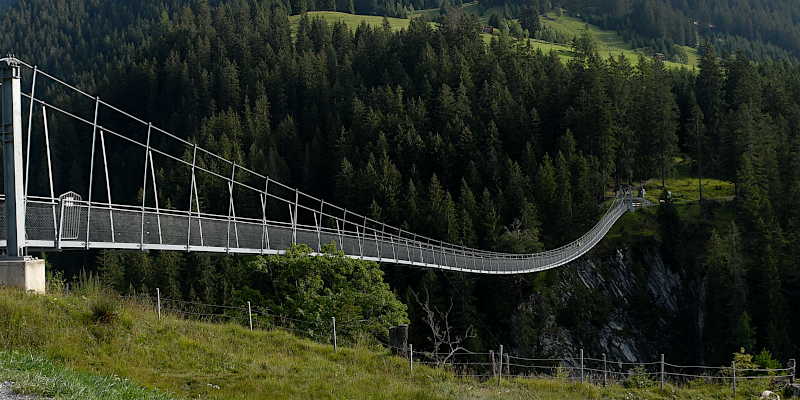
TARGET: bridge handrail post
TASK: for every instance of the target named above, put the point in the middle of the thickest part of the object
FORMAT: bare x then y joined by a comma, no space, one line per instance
60,225
108,185
199,216
319,224
230,209
377,243
49,162
294,220
339,230
91,168
264,229
144,180
363,239
391,240
191,193
30,126
421,255
155,197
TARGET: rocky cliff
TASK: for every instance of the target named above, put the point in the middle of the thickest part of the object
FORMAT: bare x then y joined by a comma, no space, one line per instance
628,303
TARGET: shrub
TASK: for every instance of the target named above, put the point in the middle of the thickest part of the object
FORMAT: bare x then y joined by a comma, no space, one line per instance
765,360
55,282
103,310
638,379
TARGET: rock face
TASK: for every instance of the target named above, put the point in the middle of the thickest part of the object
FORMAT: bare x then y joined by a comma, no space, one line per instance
630,305
792,391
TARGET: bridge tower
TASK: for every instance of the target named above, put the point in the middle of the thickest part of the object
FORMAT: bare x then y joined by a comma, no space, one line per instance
16,269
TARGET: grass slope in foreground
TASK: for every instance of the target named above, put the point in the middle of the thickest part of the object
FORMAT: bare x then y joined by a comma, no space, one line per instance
35,375
188,359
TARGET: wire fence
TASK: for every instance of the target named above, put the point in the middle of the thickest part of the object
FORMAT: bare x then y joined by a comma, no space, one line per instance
499,364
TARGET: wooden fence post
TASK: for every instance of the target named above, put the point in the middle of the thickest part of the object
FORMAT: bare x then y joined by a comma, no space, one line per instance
662,371
581,365
158,302
494,367
733,364
605,370
250,315
411,357
500,371
333,321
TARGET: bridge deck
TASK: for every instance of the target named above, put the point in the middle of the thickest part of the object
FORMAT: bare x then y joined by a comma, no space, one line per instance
54,224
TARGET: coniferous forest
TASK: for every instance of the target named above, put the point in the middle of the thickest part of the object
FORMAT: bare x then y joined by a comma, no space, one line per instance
491,145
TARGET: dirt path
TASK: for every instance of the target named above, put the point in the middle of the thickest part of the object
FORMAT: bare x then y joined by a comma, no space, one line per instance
6,394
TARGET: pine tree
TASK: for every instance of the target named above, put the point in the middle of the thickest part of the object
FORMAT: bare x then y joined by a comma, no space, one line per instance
411,205
545,190
490,221
111,270
698,140
710,97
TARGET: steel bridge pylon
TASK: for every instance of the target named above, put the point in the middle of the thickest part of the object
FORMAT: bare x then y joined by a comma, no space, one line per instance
16,269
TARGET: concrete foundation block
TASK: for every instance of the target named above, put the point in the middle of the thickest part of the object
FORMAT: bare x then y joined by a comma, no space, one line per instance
25,273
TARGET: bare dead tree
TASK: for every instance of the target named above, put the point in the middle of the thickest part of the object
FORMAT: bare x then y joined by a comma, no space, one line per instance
442,335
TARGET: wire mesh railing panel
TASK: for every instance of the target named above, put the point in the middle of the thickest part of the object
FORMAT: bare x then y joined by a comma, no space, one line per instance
151,228
40,222
215,233
173,229
194,228
127,226
280,237
100,223
250,235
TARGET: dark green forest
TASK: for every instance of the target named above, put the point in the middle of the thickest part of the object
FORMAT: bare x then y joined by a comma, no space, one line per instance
489,145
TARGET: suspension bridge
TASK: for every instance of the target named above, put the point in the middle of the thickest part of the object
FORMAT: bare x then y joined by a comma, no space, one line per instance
263,215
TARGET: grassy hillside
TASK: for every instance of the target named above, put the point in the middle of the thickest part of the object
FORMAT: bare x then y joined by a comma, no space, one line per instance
352,20
67,346
609,42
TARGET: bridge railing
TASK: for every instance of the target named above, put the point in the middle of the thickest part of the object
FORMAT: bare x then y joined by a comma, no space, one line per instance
55,223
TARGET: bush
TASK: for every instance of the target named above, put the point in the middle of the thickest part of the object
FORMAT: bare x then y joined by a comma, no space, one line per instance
103,310
638,379
315,289
55,282
765,360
